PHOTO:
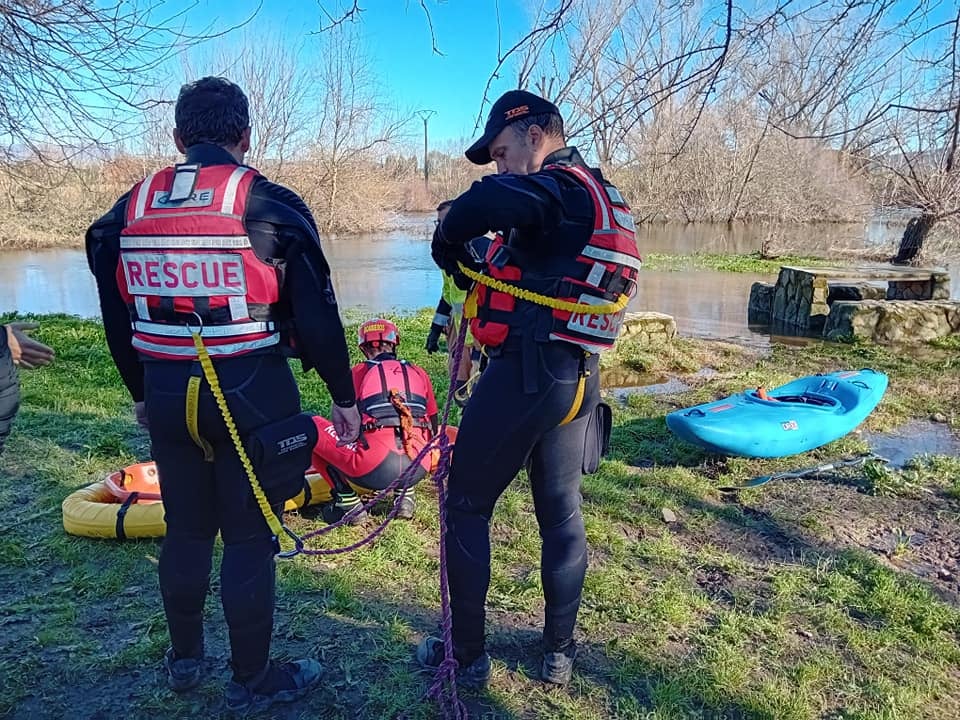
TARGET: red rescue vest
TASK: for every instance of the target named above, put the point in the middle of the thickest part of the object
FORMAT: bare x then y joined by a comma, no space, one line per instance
385,379
190,263
604,270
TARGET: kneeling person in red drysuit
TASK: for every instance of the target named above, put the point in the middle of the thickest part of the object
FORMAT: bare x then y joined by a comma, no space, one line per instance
399,416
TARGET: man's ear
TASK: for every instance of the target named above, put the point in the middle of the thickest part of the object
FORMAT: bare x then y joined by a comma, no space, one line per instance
536,136
244,144
178,141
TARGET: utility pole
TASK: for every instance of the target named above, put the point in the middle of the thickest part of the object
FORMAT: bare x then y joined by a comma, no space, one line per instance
425,115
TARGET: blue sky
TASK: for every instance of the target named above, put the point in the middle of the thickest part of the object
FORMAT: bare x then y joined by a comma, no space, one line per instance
397,36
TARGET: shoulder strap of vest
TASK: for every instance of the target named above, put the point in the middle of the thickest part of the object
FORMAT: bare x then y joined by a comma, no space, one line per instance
139,195
599,195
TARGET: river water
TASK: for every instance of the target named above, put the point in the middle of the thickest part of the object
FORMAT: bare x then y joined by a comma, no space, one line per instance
393,271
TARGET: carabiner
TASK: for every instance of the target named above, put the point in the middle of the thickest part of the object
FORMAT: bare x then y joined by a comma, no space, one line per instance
297,544
199,330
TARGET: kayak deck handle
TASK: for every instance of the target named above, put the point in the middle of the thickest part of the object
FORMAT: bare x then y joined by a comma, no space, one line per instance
695,412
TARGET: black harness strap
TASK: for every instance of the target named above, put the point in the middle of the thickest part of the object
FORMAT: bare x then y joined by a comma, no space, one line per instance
122,513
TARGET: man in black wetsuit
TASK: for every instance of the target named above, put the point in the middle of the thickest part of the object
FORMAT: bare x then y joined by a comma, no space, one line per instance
211,244
565,234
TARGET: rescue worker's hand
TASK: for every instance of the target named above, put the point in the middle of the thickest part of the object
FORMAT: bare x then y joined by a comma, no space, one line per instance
346,421
140,410
24,350
433,339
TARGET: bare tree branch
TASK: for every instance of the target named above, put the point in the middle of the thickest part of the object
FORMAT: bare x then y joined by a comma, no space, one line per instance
552,24
73,73
352,14
433,34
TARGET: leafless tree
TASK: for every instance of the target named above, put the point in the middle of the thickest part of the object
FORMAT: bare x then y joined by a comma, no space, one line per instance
878,80
354,127
450,172
74,73
281,88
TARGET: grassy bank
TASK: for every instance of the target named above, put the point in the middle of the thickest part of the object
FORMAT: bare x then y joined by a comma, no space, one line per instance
745,263
833,597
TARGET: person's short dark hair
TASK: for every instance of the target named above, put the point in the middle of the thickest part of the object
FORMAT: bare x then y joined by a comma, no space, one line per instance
444,205
212,110
550,123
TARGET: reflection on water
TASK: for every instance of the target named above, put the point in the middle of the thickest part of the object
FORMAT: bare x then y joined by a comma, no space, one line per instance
48,281
705,303
378,273
394,271
741,238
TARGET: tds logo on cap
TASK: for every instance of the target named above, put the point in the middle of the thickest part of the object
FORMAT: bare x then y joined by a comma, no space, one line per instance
516,112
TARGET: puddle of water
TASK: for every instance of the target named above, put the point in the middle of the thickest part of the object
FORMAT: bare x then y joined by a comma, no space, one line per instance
640,385
916,437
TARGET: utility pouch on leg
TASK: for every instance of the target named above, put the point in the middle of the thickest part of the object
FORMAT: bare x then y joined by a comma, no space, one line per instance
281,452
598,438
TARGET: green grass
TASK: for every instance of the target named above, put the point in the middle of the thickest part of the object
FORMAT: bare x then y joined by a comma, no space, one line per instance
731,612
746,263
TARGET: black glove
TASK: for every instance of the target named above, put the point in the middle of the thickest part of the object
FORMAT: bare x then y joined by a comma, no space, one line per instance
433,339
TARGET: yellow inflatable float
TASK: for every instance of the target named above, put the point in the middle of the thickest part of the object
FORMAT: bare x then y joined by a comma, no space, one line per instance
125,504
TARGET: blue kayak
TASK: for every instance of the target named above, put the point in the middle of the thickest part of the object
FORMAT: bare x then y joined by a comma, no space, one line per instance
799,416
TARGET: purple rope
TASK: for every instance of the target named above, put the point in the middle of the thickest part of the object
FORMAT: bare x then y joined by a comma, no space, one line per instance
444,686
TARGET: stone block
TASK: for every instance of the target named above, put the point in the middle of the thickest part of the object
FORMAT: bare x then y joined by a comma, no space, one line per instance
648,328
892,321
855,291
910,290
761,303
794,299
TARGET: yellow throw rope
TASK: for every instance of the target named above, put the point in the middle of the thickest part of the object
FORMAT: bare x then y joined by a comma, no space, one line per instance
276,527
545,300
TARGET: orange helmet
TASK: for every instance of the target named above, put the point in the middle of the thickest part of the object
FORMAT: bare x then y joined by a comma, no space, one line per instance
377,331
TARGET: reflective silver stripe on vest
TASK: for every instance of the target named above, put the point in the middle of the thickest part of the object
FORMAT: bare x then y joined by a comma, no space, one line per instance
598,253
230,193
589,347
143,309
143,193
624,219
599,196
153,328
130,242
189,351
199,213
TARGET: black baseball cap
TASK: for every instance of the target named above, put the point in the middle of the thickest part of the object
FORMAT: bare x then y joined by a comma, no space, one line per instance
512,106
